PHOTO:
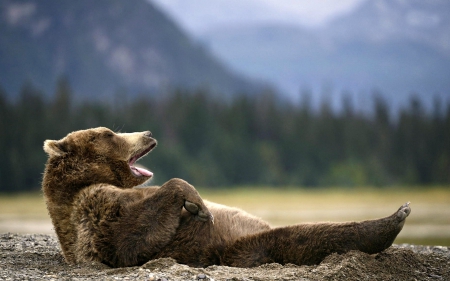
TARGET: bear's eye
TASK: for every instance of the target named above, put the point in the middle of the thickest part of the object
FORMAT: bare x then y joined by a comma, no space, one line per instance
109,134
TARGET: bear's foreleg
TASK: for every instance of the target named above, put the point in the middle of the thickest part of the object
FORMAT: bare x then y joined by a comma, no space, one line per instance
150,224
311,243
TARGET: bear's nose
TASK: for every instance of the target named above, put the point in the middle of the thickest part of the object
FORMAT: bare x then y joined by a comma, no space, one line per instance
148,134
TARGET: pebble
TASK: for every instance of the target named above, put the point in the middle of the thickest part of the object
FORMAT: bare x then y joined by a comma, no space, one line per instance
38,257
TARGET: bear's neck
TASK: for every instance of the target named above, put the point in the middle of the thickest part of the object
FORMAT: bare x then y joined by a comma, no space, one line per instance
60,183
64,178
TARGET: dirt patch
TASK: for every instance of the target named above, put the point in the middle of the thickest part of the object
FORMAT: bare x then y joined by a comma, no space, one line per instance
31,257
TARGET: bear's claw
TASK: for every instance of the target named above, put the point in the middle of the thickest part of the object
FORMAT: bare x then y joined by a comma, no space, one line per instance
404,211
205,216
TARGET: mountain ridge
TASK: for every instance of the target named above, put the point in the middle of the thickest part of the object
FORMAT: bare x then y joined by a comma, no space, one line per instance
395,47
103,46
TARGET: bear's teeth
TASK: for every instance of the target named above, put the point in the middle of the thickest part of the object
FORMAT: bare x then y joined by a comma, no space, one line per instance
132,160
139,155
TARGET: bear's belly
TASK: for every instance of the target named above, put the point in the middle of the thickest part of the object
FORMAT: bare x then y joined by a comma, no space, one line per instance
200,244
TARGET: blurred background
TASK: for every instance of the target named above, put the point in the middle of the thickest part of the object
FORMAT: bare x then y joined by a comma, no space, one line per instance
293,110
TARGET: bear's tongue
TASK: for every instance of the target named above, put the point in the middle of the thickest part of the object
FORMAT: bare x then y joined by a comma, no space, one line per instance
141,172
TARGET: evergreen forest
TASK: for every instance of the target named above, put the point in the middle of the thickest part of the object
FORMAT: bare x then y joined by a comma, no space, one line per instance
255,140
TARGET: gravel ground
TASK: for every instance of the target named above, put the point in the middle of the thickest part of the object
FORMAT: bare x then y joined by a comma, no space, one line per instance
37,256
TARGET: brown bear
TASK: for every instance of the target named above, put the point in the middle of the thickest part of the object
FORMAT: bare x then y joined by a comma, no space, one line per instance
99,217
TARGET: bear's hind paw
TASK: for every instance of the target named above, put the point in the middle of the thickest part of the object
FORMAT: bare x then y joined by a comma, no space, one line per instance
404,211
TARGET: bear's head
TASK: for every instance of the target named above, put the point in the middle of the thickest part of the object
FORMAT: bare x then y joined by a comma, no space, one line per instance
96,156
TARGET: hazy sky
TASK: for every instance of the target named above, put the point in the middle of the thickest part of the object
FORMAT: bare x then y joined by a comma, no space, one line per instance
197,16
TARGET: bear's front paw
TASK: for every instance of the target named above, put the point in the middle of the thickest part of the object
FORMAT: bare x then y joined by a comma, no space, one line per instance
191,207
201,214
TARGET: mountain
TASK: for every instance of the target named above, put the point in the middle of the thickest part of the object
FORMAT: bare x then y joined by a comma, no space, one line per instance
394,46
379,21
104,46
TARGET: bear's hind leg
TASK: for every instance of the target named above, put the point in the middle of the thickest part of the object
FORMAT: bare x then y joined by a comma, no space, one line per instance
311,243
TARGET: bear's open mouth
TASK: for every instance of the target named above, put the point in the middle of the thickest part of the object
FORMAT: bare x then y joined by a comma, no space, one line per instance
139,171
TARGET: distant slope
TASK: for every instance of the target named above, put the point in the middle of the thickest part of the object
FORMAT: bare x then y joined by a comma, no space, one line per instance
396,46
102,46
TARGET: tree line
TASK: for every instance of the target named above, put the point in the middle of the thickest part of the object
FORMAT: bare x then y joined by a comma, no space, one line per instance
249,140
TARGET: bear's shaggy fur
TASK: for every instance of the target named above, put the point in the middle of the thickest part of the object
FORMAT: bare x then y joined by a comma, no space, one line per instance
99,217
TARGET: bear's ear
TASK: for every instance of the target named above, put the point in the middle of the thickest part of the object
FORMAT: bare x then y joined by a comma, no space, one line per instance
55,148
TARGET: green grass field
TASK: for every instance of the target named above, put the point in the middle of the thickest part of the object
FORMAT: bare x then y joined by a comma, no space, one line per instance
428,224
